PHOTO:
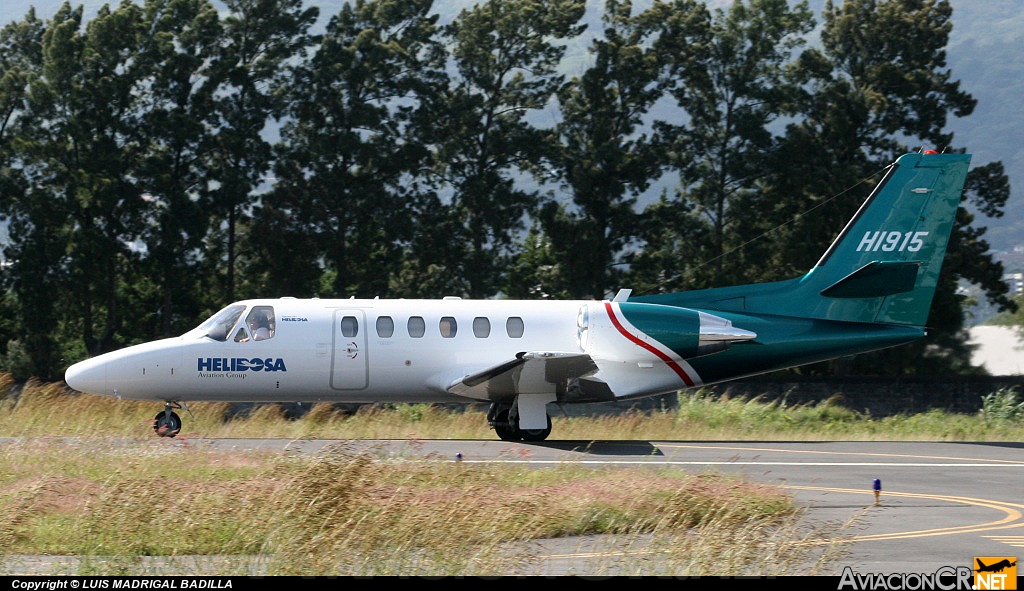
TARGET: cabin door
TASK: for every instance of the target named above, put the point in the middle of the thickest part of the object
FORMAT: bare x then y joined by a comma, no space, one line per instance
349,365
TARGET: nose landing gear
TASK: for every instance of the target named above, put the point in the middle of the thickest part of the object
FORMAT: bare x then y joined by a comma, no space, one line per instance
167,423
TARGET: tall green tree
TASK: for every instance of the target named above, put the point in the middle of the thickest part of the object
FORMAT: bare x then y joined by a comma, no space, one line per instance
172,167
601,153
731,86
74,226
346,162
538,271
671,235
879,82
20,62
26,351
506,55
258,41
676,248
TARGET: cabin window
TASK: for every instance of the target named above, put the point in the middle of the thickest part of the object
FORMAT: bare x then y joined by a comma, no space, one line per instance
448,327
417,327
481,327
385,327
514,327
349,326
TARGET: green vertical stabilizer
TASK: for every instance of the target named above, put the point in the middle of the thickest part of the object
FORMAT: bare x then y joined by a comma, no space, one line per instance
883,267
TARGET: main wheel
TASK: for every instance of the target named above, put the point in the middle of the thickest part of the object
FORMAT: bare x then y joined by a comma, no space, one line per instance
505,431
167,423
536,434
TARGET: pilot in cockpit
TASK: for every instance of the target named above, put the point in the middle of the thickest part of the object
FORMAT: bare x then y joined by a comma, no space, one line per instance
262,330
259,323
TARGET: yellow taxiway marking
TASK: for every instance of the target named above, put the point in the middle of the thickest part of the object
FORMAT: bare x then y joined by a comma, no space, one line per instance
1013,516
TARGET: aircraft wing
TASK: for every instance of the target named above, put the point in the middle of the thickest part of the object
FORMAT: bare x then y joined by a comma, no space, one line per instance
528,372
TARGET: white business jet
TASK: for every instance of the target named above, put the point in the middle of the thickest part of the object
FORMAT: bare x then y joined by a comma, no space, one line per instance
872,289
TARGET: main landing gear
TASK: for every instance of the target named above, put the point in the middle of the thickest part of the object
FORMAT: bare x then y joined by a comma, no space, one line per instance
505,422
167,423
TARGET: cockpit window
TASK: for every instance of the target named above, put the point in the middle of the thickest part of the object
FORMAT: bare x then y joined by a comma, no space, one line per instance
218,326
259,325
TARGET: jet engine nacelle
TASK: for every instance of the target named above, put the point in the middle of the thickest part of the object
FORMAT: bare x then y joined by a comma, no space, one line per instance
656,331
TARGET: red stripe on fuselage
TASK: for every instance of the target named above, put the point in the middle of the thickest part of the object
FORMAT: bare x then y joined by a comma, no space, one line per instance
668,360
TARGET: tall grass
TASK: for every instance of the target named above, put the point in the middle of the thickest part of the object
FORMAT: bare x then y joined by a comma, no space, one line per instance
343,513
41,409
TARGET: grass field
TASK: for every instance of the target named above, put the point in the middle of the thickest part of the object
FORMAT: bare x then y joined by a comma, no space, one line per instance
66,489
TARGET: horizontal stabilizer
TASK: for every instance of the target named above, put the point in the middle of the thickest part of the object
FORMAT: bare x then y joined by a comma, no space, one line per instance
530,372
876,279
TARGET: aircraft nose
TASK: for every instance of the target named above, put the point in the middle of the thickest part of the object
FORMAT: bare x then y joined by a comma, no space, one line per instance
87,376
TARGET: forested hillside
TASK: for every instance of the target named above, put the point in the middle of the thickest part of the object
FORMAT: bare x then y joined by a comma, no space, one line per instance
160,159
985,52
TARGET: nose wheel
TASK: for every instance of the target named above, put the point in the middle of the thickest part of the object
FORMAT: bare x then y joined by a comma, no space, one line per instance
167,423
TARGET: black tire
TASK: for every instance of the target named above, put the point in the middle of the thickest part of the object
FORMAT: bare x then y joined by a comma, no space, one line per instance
167,424
536,434
505,431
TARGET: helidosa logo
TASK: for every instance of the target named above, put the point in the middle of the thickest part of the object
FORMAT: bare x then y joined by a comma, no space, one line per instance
995,572
240,364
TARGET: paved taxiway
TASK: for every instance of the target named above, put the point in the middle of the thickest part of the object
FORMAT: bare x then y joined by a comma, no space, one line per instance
940,504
